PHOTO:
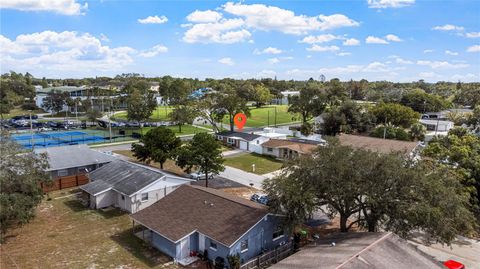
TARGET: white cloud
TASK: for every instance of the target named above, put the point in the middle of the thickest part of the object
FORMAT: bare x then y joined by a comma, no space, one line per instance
375,40
226,61
389,3
474,48
442,65
62,51
268,18
449,52
393,38
343,53
65,7
319,38
399,60
276,60
428,51
448,27
266,74
154,51
473,35
428,75
269,50
153,20
225,31
351,42
323,48
204,16
466,77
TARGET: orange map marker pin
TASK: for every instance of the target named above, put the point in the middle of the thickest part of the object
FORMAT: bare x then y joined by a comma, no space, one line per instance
240,119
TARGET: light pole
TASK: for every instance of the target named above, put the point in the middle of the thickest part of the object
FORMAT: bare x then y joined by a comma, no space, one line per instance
275,116
31,129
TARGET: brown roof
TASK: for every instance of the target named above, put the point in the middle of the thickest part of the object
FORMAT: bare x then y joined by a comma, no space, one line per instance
377,144
299,147
220,216
359,251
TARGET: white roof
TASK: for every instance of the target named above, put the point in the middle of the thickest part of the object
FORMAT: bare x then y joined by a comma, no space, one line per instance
435,122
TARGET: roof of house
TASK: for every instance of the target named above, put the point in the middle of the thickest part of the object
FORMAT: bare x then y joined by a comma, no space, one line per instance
244,136
298,145
359,251
377,144
220,216
436,122
123,176
65,157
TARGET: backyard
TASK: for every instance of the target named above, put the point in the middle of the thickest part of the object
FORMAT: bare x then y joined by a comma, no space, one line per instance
65,234
263,164
169,165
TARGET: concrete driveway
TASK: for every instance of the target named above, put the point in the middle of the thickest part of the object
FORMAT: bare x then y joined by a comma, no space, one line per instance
243,177
464,250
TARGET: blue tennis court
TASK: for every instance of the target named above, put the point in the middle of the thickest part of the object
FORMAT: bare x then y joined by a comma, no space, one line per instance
49,139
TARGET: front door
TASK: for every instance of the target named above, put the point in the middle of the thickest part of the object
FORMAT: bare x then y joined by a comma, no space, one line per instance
185,248
201,242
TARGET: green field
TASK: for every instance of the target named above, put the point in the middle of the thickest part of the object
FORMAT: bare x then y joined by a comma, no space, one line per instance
263,164
160,114
265,116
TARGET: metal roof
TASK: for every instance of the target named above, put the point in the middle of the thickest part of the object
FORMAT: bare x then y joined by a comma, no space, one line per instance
244,136
65,157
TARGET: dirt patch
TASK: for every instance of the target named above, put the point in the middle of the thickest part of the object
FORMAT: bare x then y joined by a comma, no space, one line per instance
65,234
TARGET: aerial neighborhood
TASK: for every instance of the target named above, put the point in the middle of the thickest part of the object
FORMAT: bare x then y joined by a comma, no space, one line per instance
341,152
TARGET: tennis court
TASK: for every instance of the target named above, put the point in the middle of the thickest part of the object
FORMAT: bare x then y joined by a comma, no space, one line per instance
50,139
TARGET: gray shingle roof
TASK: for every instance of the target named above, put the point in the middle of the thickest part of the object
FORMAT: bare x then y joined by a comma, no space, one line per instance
244,136
123,176
65,157
357,251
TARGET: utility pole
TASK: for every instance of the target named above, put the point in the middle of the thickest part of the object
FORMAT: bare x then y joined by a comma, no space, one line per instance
275,116
110,124
268,118
31,129
385,128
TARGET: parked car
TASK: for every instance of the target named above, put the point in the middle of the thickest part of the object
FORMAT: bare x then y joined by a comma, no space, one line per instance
260,198
200,175
452,264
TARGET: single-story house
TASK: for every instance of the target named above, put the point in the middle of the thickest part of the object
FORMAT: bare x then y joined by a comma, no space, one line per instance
437,125
444,114
212,222
245,141
377,144
129,186
359,250
72,160
69,164
289,148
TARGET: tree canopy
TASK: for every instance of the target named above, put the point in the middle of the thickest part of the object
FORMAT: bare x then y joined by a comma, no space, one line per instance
157,145
374,191
395,114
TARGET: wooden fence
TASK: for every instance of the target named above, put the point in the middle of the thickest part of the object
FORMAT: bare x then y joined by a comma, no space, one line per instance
270,257
65,182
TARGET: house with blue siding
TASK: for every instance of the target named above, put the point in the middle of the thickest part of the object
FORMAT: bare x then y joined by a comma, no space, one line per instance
194,219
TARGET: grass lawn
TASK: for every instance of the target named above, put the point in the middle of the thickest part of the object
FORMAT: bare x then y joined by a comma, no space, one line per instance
186,129
263,164
159,114
66,234
266,116
18,111
169,165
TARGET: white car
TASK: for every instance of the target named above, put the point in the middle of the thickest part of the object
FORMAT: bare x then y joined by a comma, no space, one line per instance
200,175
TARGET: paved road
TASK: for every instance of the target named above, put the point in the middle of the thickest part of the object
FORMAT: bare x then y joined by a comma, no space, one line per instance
463,250
242,177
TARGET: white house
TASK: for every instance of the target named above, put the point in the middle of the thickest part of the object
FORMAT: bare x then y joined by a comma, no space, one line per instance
437,125
245,141
129,186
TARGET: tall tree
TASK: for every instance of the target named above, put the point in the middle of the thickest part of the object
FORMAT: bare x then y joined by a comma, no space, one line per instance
309,103
373,190
140,105
395,114
55,101
231,104
261,95
20,176
203,152
183,114
157,145
422,102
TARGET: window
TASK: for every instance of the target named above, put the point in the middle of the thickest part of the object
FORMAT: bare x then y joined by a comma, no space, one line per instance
278,233
213,245
269,149
62,173
123,197
144,196
230,141
244,246
258,142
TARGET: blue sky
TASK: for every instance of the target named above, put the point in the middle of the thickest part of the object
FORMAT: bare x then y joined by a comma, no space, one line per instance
397,40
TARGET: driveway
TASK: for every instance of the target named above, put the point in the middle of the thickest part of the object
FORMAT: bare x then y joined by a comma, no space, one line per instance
242,177
463,250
